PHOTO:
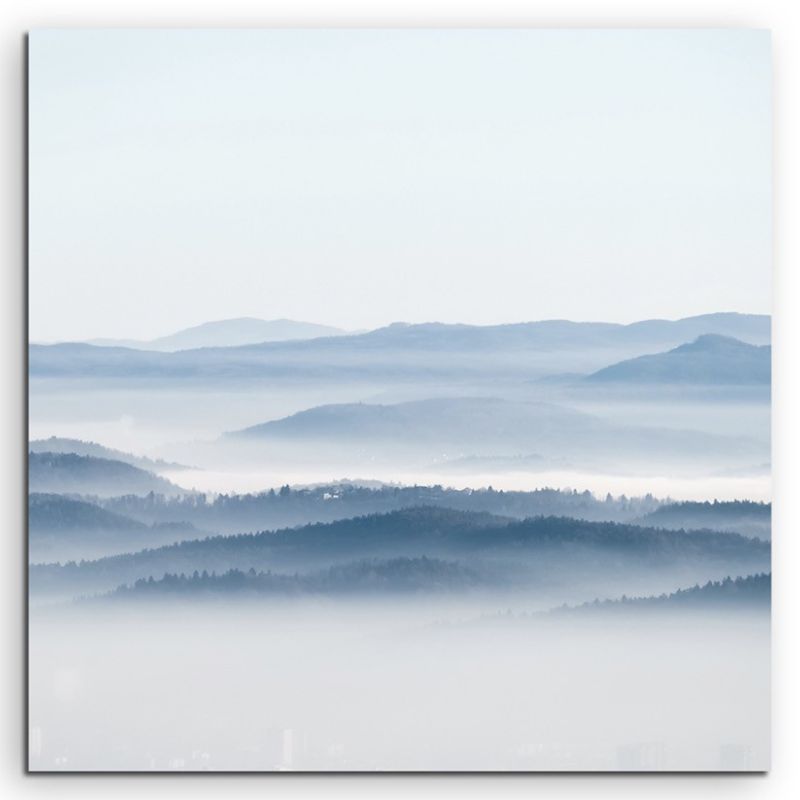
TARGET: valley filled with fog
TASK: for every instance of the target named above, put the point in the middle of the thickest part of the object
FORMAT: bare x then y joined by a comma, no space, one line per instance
258,686
539,546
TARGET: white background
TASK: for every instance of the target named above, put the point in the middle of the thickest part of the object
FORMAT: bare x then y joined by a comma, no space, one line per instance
782,18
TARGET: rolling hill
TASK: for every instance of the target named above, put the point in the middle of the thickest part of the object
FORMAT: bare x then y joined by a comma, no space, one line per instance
445,429
54,512
63,528
57,444
745,517
445,421
68,473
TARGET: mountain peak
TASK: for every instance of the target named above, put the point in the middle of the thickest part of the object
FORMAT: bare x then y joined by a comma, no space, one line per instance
708,359
715,341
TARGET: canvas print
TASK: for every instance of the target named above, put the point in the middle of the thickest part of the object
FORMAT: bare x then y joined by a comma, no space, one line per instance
399,400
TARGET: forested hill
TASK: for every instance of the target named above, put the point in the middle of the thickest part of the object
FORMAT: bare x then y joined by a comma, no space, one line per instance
545,546
57,444
62,528
69,473
740,516
358,577
752,591
56,513
288,507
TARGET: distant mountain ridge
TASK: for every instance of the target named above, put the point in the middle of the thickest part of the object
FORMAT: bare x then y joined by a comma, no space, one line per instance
227,333
561,333
708,359
423,351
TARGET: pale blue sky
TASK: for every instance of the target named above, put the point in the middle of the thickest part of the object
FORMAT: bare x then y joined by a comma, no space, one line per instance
360,177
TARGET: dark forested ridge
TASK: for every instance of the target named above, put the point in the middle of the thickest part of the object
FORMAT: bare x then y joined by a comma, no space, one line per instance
69,473
744,593
376,575
752,591
544,546
54,512
62,528
234,513
58,444
740,516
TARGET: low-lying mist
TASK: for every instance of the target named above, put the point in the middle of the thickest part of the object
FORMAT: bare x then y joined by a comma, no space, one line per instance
394,684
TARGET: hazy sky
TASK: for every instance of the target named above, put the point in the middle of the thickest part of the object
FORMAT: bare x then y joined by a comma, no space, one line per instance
360,177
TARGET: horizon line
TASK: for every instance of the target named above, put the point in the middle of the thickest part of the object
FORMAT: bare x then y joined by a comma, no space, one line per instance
359,331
